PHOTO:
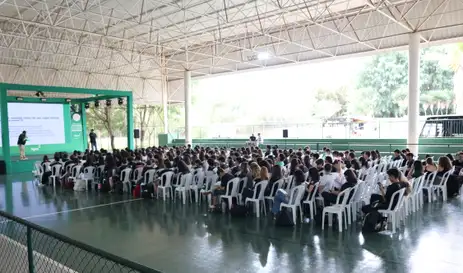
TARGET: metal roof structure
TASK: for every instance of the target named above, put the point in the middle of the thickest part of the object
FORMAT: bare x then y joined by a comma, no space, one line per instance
143,44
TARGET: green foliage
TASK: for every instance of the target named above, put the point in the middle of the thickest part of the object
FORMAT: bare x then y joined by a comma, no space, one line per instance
108,121
331,102
385,82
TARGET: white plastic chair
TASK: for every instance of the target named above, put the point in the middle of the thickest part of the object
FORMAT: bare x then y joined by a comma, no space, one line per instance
39,170
289,183
442,187
148,178
211,179
89,174
257,199
243,182
137,174
428,185
55,174
415,195
311,201
75,171
358,199
395,212
197,185
340,209
276,185
231,191
165,184
294,203
99,173
125,180
184,187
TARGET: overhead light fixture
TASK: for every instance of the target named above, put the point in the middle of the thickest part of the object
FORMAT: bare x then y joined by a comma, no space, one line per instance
97,103
120,101
108,103
263,56
68,100
19,99
87,105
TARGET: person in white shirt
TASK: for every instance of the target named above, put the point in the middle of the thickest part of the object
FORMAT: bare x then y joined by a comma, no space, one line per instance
327,179
260,140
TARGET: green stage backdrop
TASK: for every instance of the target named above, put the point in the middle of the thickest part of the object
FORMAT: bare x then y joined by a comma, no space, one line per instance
73,136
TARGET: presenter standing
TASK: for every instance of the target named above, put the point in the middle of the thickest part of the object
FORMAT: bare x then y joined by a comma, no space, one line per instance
22,139
93,137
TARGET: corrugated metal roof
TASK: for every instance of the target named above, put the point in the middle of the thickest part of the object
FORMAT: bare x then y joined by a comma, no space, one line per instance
136,40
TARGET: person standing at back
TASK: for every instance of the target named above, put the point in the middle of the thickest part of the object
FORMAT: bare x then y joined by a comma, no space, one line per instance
22,139
93,137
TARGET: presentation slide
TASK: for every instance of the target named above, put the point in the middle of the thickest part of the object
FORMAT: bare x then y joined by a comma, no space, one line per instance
43,122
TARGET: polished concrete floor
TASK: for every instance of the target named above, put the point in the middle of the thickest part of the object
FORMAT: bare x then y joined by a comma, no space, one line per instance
175,238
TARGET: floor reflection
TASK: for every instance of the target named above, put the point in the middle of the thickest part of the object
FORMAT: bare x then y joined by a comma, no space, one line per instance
172,237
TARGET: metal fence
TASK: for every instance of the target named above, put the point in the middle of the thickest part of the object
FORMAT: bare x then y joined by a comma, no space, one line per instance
28,248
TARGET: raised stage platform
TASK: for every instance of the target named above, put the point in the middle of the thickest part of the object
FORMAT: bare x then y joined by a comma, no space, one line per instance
24,166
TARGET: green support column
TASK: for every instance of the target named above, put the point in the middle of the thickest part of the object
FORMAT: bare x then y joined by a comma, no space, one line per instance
5,130
84,125
130,122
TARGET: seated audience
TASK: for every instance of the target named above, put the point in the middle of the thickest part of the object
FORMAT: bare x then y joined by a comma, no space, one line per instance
384,198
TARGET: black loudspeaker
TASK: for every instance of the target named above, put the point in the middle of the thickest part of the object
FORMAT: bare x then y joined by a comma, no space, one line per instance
136,133
285,133
2,167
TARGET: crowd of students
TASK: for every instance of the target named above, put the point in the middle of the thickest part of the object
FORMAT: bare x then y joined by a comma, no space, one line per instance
334,171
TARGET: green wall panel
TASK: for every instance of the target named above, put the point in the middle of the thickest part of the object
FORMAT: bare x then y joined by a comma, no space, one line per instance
436,146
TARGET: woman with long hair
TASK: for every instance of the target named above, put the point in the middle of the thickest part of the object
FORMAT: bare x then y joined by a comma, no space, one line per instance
277,174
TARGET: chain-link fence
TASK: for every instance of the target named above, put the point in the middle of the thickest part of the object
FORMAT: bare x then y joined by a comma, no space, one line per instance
29,248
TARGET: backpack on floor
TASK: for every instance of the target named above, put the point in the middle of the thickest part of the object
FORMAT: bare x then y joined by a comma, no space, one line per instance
238,211
119,187
373,222
284,218
147,191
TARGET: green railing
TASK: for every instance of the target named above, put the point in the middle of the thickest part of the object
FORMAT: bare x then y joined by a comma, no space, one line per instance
435,147
28,248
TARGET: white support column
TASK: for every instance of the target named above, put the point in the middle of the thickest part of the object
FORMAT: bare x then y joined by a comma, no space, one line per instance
165,111
165,99
187,86
413,91
165,93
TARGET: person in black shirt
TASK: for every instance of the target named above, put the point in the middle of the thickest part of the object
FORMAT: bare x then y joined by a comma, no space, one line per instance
458,164
93,137
385,198
220,190
22,139
397,155
331,196
252,138
409,163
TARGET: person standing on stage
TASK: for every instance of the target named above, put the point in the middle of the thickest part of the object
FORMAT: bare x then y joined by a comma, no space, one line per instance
93,137
22,139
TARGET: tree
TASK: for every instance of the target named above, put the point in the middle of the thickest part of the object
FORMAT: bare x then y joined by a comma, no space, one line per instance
109,121
385,81
331,102
149,119
456,63
143,114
